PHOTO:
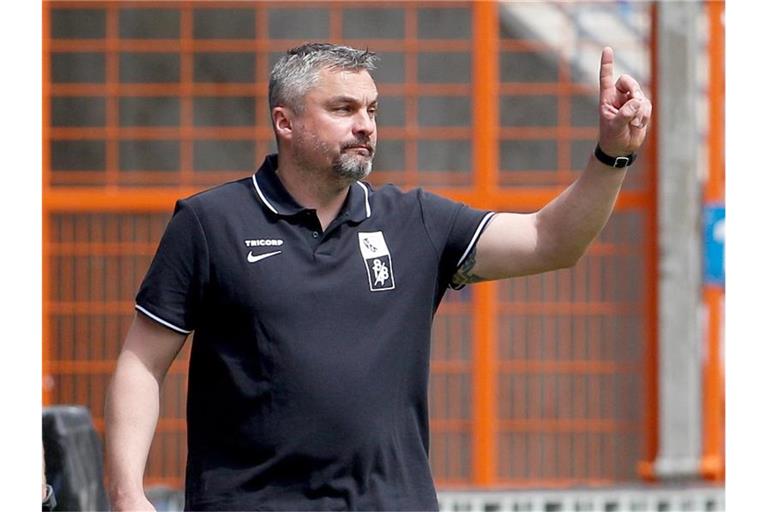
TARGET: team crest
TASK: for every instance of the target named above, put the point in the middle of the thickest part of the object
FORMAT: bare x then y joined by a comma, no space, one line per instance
378,261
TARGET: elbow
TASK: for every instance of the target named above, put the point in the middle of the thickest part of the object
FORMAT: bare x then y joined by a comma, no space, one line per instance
568,259
560,248
567,251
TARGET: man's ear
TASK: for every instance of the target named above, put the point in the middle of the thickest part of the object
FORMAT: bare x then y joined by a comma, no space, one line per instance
282,120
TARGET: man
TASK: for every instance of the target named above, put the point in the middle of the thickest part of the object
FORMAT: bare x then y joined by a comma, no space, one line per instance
311,296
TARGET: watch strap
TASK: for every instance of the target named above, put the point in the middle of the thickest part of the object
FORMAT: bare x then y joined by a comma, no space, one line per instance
614,161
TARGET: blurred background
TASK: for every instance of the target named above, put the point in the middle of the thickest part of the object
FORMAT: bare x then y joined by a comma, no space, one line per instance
594,388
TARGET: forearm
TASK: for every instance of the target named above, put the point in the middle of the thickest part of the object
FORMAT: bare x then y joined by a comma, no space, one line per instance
131,413
515,244
575,217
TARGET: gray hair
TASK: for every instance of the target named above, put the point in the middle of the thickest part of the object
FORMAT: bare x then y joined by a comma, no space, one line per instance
297,71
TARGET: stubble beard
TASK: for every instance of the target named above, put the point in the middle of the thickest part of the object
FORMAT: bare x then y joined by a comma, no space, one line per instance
352,166
348,166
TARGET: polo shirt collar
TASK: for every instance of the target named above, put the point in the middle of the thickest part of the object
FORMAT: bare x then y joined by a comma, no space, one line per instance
273,195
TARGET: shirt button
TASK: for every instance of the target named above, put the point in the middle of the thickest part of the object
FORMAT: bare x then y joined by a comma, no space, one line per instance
315,234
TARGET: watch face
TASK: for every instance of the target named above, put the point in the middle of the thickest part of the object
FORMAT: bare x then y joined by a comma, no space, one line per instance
622,161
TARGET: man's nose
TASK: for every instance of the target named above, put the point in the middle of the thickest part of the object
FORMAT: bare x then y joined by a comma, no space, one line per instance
364,124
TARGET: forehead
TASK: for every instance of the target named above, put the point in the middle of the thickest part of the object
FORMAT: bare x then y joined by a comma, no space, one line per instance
353,84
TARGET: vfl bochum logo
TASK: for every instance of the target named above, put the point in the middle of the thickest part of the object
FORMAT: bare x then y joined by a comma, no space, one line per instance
378,261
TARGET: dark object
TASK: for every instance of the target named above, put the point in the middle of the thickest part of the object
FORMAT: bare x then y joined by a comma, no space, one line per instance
49,503
614,161
73,458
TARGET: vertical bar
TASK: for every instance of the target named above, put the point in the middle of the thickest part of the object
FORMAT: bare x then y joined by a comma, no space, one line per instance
549,343
485,88
263,114
714,190
411,174
186,48
520,402
564,172
712,463
187,176
47,384
335,22
485,143
98,256
452,387
79,351
112,174
645,467
84,338
680,235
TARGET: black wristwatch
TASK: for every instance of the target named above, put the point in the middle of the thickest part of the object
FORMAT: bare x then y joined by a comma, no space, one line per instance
614,161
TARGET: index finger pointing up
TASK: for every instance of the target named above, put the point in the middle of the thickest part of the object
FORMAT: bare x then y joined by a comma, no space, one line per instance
606,71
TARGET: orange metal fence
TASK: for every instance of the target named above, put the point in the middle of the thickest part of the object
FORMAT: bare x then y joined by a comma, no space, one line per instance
713,406
547,380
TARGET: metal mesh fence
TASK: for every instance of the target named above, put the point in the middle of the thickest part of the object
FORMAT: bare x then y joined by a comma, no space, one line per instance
535,381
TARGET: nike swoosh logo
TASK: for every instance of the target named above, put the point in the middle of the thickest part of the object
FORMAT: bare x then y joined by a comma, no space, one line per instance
254,259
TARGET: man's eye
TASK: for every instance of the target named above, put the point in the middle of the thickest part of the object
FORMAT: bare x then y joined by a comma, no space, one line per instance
343,109
372,111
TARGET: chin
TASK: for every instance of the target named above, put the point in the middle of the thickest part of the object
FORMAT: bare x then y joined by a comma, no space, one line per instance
353,168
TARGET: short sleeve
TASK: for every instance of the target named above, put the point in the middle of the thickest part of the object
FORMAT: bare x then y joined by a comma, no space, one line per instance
453,228
172,290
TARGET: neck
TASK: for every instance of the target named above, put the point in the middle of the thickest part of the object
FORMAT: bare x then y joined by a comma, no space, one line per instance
314,189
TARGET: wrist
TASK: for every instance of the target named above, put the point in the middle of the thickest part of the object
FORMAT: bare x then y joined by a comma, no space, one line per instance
613,160
125,494
133,503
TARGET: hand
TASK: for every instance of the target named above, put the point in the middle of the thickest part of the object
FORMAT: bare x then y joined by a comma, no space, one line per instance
45,486
624,110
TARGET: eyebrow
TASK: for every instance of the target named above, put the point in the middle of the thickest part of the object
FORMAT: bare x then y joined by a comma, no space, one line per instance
350,99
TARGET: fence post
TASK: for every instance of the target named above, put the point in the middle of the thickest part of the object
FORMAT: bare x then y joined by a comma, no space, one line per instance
679,244
485,148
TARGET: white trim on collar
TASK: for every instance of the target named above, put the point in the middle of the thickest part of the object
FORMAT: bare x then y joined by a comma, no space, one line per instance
367,204
261,195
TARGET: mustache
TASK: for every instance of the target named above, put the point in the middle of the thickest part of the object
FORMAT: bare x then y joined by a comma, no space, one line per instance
365,143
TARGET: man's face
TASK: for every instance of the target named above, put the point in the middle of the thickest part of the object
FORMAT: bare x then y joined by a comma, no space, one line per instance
337,128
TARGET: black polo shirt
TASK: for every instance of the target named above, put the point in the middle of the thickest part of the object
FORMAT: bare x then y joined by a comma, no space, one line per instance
309,367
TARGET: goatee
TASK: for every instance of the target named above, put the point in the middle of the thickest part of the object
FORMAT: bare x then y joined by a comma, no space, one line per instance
352,166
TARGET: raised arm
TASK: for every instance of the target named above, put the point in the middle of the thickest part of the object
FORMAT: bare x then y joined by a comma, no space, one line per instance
558,235
132,408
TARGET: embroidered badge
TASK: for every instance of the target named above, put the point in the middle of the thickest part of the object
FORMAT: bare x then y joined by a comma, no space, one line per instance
378,261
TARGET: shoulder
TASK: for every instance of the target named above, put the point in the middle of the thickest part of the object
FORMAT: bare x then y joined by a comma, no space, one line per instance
220,201
392,202
393,195
228,194
229,203
392,199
